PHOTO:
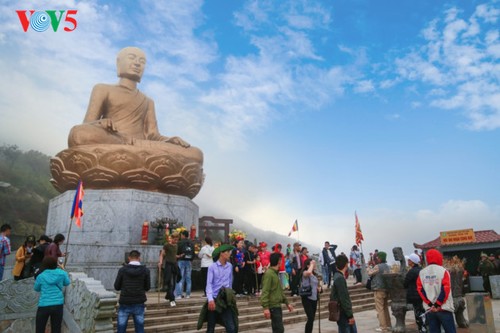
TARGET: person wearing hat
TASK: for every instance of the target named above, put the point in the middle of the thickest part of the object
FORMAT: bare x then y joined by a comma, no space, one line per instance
379,291
434,288
23,256
412,296
218,291
486,268
39,253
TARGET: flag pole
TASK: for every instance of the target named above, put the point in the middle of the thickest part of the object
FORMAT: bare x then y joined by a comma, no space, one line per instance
67,243
76,211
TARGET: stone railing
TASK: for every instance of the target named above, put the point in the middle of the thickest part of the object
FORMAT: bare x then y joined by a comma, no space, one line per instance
18,305
90,305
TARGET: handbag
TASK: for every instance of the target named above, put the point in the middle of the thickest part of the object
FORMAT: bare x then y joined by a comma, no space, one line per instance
333,305
305,291
369,283
333,311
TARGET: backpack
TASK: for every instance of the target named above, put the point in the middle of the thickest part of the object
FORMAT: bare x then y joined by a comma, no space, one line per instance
188,251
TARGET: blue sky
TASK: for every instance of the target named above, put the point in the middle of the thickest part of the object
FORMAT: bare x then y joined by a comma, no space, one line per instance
305,110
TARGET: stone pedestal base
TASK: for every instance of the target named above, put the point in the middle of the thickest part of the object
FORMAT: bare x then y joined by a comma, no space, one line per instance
111,227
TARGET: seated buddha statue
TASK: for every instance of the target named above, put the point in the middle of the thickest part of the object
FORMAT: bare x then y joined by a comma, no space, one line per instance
121,114
122,119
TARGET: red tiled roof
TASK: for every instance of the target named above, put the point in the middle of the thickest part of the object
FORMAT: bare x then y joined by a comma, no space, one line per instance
482,236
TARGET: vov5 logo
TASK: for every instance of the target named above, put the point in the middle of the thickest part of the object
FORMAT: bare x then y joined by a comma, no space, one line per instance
41,20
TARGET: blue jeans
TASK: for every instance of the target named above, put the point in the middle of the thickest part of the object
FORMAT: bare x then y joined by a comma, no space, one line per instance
442,318
344,326
227,319
326,276
137,313
1,272
185,268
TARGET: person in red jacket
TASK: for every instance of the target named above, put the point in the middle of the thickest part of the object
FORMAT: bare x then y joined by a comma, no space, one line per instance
285,282
54,248
434,288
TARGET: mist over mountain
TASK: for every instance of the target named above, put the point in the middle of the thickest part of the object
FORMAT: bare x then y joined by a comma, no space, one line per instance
25,192
270,237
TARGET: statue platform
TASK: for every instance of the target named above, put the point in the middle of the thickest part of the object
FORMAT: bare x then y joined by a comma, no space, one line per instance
112,226
150,166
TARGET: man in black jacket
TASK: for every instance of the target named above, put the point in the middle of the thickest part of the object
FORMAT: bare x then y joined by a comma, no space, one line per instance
329,259
412,295
133,280
185,255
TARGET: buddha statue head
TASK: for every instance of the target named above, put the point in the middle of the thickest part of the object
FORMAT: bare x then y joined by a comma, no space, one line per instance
130,63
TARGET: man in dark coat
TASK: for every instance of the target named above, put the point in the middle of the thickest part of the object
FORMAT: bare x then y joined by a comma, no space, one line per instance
340,293
185,256
133,280
412,295
329,259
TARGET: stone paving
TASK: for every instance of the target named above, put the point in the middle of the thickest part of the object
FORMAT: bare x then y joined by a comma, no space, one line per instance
367,321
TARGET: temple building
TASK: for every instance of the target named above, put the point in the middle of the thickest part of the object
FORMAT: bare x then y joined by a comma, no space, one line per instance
466,244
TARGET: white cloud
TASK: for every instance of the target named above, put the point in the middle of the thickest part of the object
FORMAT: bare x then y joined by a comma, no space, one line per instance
383,229
460,60
388,228
285,75
50,74
458,66
364,86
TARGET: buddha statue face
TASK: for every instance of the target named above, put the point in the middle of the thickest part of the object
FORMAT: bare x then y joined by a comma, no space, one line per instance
130,63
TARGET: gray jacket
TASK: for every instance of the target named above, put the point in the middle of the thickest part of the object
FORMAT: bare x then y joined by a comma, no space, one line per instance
377,280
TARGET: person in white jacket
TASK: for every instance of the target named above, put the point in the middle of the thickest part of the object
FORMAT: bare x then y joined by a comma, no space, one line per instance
205,255
434,288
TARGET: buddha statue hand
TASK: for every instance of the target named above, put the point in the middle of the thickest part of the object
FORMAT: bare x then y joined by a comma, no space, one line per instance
178,141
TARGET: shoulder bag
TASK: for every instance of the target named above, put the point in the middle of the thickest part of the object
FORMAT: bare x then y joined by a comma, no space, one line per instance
333,306
305,291
369,283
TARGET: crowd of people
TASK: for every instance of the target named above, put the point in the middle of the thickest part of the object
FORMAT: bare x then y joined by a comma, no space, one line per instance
242,268
39,259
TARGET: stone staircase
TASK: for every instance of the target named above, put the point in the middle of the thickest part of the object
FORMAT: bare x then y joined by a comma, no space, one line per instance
160,317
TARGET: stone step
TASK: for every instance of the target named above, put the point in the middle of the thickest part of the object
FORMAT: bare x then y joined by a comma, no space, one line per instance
195,303
160,317
246,322
248,313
